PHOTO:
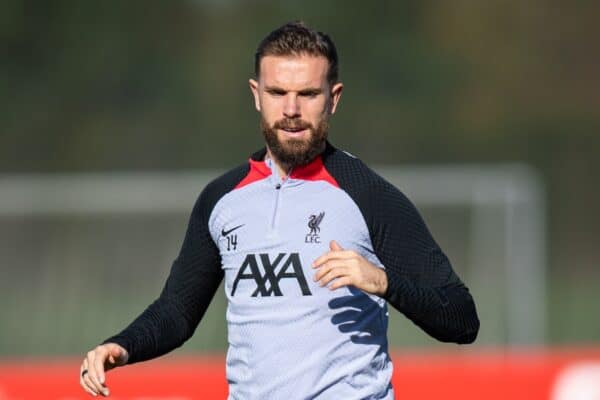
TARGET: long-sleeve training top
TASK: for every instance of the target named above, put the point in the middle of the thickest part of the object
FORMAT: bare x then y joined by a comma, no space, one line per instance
288,337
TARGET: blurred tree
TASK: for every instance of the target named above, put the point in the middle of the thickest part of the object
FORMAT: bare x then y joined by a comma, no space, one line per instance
90,86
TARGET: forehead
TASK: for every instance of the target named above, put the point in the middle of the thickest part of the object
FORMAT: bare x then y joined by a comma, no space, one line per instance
294,71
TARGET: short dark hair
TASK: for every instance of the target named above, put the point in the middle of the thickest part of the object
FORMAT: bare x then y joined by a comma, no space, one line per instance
295,38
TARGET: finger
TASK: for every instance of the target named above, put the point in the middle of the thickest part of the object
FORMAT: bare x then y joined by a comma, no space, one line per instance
82,381
99,365
343,281
334,273
111,362
83,366
331,255
328,267
93,372
116,356
99,369
333,245
88,385
89,377
85,381
87,389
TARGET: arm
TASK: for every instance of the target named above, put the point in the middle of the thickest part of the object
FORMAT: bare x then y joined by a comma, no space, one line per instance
445,312
420,280
172,318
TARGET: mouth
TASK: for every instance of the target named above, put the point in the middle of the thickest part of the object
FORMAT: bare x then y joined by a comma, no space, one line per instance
294,132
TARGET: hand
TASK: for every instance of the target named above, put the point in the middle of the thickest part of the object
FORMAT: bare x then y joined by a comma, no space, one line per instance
350,268
103,358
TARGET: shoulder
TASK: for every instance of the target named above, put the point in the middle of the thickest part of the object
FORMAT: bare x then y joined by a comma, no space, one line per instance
352,174
219,187
225,182
377,198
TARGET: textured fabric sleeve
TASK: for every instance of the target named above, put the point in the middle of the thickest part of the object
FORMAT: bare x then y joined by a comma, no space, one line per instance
421,281
193,280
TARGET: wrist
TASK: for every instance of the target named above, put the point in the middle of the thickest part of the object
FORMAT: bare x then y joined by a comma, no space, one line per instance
383,283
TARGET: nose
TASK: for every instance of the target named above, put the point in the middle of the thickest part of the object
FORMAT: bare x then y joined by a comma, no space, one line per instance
291,108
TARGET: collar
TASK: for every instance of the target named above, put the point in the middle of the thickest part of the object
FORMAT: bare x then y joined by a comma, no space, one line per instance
313,171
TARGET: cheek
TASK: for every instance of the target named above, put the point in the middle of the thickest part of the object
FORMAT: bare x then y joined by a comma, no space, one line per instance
269,107
316,112
316,106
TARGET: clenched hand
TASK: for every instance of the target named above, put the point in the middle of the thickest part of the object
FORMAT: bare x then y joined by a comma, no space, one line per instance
350,268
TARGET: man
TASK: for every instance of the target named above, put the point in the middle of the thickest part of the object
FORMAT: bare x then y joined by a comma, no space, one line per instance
311,244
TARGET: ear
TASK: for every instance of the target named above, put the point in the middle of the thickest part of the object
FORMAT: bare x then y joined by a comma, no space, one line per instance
336,93
254,88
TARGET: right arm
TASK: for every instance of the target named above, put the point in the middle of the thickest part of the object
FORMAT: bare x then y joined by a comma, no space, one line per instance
172,318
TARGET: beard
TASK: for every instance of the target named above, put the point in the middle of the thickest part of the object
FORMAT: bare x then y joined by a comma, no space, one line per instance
293,152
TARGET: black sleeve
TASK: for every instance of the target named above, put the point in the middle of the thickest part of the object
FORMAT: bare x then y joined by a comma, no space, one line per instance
421,282
193,280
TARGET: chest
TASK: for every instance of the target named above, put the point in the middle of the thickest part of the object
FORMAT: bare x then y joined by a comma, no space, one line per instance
268,238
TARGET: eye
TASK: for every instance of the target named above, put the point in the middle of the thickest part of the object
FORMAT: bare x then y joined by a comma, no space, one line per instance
276,92
310,93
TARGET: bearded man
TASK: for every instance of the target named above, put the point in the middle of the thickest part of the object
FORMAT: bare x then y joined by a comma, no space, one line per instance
312,245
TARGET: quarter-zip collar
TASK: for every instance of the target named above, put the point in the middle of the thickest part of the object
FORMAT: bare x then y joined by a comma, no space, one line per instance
313,171
275,178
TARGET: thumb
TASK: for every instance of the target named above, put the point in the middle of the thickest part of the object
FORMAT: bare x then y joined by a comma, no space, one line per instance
116,354
333,245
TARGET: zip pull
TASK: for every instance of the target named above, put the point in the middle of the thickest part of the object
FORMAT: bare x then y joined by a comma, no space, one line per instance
283,181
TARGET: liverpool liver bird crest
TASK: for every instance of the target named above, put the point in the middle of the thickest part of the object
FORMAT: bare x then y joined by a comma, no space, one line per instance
313,223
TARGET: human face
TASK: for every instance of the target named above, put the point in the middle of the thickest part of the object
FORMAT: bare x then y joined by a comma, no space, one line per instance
295,101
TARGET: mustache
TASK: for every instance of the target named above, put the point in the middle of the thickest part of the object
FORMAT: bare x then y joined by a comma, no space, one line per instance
292,124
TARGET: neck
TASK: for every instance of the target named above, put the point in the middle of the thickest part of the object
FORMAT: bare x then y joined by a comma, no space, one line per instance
282,169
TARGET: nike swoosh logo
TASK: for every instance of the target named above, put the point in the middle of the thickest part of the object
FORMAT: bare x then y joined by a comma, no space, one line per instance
225,233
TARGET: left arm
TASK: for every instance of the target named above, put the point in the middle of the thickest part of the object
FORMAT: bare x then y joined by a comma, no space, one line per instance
418,279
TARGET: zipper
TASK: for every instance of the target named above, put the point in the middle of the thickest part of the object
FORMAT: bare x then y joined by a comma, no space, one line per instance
278,187
278,190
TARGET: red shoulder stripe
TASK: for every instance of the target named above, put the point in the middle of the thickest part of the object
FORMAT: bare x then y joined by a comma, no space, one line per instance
314,171
258,171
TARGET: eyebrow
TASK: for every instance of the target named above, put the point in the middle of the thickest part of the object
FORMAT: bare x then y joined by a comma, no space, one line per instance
273,89
310,91
314,90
